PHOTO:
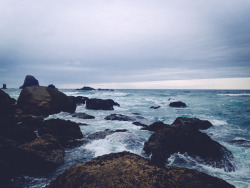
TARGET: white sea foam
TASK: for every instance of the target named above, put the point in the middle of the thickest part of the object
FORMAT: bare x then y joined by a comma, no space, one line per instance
235,95
217,122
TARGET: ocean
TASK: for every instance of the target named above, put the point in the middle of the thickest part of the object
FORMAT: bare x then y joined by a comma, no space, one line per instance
227,110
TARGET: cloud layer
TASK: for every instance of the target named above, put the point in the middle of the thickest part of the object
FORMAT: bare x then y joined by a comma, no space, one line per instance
102,41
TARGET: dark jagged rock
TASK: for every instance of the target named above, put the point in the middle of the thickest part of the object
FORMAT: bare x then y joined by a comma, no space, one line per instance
52,86
193,123
139,124
83,116
29,81
43,154
130,170
178,104
38,100
240,142
155,126
4,86
119,117
100,104
63,130
86,88
155,107
103,134
79,99
183,139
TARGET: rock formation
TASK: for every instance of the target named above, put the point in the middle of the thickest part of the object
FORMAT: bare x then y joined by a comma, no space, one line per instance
29,81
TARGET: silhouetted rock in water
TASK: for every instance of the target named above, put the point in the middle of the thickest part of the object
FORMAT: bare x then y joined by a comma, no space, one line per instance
183,139
52,86
29,81
101,104
63,130
240,142
125,169
7,109
178,104
155,107
86,88
43,154
83,116
105,89
79,99
119,117
4,86
193,123
38,100
103,134
155,126
139,124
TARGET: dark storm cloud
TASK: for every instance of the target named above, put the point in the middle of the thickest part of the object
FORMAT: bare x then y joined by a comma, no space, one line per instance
89,42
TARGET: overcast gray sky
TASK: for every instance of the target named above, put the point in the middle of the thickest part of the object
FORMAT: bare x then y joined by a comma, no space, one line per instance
90,42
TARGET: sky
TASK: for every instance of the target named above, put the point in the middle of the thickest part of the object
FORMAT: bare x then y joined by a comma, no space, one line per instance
144,44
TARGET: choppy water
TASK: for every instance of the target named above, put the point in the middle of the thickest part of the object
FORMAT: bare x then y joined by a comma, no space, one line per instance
228,111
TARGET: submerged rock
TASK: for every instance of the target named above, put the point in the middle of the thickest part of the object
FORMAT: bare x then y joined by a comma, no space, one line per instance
155,107
63,130
86,88
38,100
103,134
178,104
83,116
140,124
119,117
100,104
194,123
105,89
29,81
130,170
183,139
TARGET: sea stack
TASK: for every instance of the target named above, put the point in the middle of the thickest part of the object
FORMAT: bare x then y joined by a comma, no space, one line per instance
4,86
29,81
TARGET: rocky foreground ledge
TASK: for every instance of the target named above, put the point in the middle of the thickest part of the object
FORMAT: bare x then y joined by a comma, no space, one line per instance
125,169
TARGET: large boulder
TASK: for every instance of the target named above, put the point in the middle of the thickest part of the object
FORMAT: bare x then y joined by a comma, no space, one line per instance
38,100
29,81
178,104
193,123
79,99
119,117
100,104
155,126
63,130
182,139
129,170
103,134
43,154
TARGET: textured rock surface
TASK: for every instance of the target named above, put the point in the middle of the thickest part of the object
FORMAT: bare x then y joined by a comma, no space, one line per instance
83,116
38,100
103,134
178,104
29,81
119,117
155,126
193,123
63,130
100,104
182,139
129,170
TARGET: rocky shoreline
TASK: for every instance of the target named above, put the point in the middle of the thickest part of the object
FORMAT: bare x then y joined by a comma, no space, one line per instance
29,144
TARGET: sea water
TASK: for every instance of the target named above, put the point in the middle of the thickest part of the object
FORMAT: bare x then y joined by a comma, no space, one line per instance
227,110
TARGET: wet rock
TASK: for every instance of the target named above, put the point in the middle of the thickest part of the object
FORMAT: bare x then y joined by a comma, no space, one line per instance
86,88
183,139
103,134
155,126
43,154
178,104
52,86
79,99
29,81
64,131
83,116
193,123
38,100
155,107
125,169
100,104
139,124
119,117
240,142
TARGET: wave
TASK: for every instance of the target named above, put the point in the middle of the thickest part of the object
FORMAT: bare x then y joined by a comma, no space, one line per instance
236,95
